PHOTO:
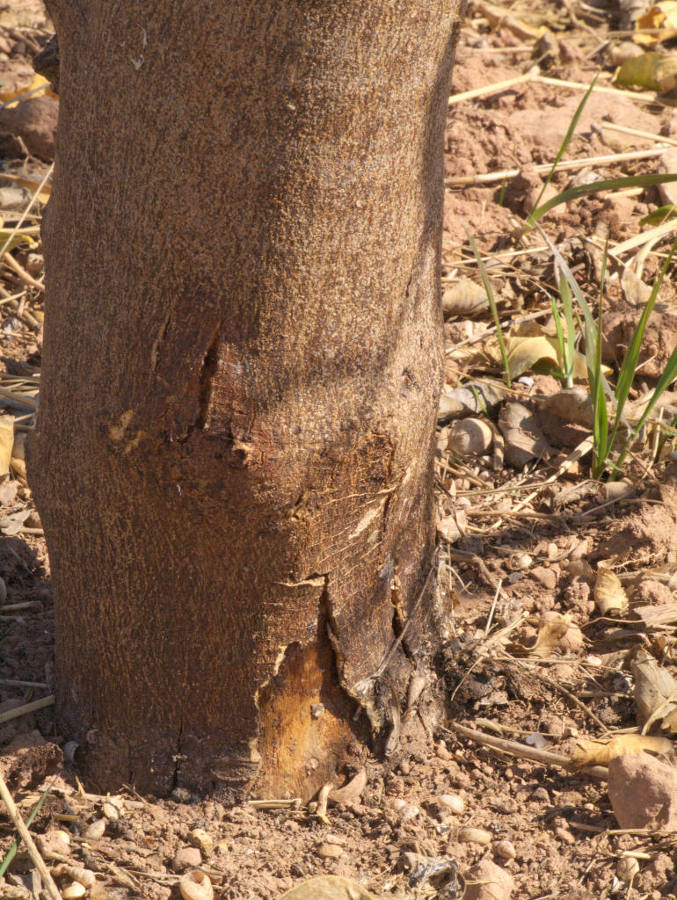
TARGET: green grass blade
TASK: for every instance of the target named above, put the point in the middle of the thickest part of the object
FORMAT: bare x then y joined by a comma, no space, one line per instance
561,347
565,143
492,306
611,184
626,376
11,853
601,420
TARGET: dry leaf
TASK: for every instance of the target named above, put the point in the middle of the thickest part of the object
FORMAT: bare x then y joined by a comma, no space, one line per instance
651,71
464,298
655,692
522,433
661,20
609,593
525,352
351,792
6,443
598,753
556,632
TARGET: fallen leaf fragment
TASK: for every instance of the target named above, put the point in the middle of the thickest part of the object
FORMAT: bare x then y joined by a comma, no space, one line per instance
660,20
652,71
600,753
526,352
464,298
609,593
556,632
655,692
522,434
352,791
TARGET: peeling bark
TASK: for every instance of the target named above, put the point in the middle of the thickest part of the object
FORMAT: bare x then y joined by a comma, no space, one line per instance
241,368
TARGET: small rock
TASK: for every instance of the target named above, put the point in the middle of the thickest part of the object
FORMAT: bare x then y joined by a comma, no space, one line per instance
505,849
33,123
203,840
547,577
186,858
181,795
442,751
327,888
95,831
329,851
73,891
110,811
451,803
470,835
643,792
488,881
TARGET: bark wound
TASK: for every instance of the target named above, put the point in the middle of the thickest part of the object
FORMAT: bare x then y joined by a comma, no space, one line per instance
306,717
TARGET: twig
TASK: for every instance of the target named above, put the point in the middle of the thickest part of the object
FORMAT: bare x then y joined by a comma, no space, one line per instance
522,750
25,836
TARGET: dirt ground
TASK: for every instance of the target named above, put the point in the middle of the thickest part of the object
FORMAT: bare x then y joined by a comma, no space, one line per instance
529,656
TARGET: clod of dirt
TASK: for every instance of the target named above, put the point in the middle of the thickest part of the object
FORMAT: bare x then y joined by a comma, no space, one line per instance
328,887
660,338
646,537
488,881
643,792
33,124
524,439
186,858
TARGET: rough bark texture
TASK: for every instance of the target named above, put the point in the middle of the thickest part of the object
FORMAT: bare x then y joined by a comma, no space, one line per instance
241,369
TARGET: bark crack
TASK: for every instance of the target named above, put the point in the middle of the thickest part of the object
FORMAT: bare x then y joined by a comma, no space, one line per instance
206,380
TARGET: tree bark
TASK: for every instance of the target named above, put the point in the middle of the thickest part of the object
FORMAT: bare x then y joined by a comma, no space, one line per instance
241,368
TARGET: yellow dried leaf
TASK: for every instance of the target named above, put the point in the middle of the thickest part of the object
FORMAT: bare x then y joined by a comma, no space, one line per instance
38,82
609,593
599,753
525,352
6,443
661,20
651,71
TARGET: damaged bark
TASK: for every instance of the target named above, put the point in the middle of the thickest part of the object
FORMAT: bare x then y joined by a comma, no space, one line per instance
241,368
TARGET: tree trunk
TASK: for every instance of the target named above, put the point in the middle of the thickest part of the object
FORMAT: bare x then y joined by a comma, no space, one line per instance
241,369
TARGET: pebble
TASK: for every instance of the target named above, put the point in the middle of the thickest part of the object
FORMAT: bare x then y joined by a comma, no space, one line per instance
110,811
505,849
73,891
488,881
442,751
470,835
202,839
643,792
186,858
330,851
451,803
95,831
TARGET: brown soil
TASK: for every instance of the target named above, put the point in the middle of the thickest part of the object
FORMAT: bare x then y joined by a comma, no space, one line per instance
506,558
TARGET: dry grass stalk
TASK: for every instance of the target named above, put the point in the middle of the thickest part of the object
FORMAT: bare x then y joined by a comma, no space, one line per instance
26,708
567,165
25,836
